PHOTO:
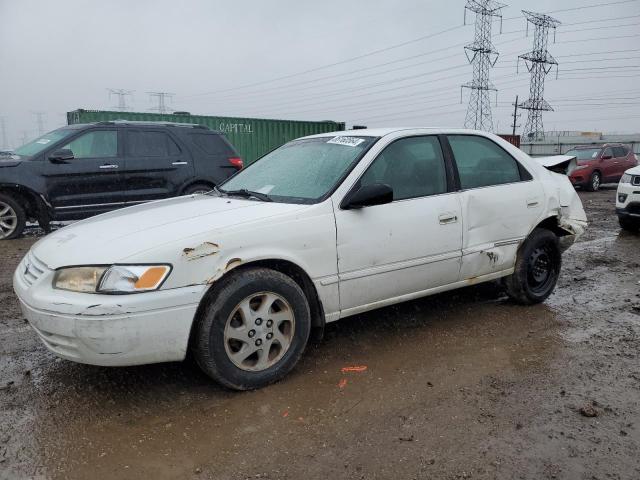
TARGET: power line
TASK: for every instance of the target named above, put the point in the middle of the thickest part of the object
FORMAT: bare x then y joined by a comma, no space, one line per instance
39,122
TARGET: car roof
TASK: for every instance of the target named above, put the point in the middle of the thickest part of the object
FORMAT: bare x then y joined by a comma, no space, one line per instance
381,132
599,145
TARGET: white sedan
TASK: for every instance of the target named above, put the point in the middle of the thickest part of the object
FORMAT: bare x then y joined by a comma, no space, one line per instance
322,228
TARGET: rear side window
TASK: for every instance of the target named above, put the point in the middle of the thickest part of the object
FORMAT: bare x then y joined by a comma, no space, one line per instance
211,144
96,144
619,152
151,144
482,163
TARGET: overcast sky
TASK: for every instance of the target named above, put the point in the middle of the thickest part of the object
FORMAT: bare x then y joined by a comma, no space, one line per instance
229,57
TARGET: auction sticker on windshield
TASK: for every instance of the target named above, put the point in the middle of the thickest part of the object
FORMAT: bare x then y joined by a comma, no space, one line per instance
346,141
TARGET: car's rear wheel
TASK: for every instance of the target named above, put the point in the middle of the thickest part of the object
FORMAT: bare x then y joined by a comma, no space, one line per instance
12,217
537,268
629,224
252,330
198,188
594,182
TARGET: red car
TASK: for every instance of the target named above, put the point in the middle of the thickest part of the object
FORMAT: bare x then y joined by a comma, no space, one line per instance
598,164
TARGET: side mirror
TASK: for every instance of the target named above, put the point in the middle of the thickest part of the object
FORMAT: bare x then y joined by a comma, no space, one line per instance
367,196
61,156
607,157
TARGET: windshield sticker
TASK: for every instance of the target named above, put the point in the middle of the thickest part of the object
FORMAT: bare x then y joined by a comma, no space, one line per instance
266,189
43,141
346,141
595,154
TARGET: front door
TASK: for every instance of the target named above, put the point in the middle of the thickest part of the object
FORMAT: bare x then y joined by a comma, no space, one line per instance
405,247
500,202
608,165
156,167
91,182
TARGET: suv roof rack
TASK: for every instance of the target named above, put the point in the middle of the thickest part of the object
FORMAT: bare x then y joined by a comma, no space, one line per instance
151,123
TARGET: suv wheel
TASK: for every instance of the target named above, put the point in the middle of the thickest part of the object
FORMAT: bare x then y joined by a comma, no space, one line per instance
629,224
12,217
594,182
253,329
198,188
537,268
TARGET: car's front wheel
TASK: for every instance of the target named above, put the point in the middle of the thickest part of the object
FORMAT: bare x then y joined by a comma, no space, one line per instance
537,268
253,329
12,217
594,182
629,224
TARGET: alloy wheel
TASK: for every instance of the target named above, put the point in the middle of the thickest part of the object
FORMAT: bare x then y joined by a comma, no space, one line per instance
259,331
8,220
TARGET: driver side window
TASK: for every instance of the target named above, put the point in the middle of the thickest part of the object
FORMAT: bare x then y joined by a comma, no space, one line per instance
413,167
95,144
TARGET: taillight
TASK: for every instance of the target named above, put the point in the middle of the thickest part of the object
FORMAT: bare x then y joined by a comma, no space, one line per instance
236,162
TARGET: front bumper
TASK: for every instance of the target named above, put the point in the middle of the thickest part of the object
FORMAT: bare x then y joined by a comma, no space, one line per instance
628,201
108,330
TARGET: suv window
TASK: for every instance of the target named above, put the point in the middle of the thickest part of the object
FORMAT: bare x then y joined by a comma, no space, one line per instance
211,144
619,152
482,163
151,144
413,167
95,144
608,152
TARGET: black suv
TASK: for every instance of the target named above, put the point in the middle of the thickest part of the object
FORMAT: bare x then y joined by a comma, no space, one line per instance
82,170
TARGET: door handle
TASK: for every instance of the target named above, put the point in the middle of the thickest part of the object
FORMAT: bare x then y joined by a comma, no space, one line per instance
532,203
108,167
180,163
446,218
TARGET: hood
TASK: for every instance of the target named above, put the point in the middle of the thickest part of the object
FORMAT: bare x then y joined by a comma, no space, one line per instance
10,160
634,171
117,237
564,164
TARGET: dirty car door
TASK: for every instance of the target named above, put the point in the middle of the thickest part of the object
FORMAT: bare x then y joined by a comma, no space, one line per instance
500,204
409,245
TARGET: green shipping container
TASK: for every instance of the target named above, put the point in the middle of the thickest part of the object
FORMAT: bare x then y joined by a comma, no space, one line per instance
252,137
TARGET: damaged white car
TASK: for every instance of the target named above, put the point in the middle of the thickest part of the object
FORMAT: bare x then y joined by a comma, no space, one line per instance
322,228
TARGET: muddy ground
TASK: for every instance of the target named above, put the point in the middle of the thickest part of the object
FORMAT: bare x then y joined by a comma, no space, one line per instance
463,385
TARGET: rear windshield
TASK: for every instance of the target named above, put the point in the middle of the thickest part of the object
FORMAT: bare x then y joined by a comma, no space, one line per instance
211,144
584,153
39,144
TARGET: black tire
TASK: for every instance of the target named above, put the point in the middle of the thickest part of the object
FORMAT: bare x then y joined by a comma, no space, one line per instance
197,188
537,268
15,217
209,344
594,182
629,224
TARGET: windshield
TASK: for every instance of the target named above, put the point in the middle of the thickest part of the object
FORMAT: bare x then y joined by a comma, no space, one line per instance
584,153
302,171
39,144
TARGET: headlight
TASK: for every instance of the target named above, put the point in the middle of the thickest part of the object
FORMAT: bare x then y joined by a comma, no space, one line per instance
114,279
626,178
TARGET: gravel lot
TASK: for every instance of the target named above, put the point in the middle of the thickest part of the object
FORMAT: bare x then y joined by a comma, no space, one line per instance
463,385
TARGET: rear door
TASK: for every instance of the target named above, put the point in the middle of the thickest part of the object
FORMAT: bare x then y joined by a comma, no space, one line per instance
621,158
90,182
156,166
608,165
501,202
